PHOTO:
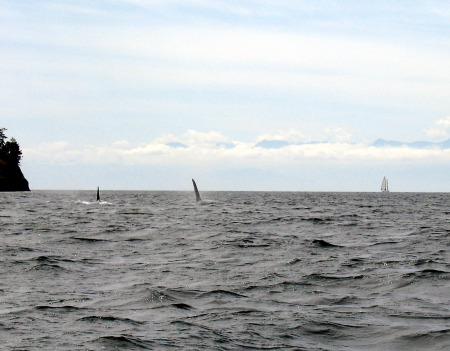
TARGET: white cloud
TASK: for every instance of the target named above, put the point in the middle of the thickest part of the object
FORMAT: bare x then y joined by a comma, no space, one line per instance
338,134
291,135
188,56
122,143
193,137
440,129
167,138
201,149
55,152
68,62
204,139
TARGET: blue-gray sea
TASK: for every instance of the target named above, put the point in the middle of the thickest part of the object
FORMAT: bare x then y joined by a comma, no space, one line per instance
250,271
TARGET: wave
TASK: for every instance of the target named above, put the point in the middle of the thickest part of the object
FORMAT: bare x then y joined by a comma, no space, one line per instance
46,263
67,308
249,242
427,273
220,336
318,328
434,334
249,313
4,327
182,306
135,213
291,284
91,240
355,261
45,258
154,297
334,301
121,293
284,285
318,276
243,245
48,267
317,220
424,261
349,224
25,249
429,340
125,342
323,243
417,315
433,272
326,331
221,292
84,202
295,261
51,259
95,319
134,239
384,243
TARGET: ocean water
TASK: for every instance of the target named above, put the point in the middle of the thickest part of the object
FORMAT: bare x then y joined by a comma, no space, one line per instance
250,271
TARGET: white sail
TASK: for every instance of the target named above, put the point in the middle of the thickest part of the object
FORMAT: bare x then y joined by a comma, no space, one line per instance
384,185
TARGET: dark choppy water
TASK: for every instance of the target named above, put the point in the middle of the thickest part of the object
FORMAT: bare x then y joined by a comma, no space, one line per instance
252,271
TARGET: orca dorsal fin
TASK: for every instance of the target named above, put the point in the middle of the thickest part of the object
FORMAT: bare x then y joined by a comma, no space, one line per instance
98,194
197,194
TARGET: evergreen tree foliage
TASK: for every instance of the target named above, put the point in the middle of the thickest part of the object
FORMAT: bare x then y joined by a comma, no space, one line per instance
9,149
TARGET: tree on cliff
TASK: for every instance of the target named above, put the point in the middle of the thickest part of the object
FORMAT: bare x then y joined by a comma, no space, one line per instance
9,150
2,137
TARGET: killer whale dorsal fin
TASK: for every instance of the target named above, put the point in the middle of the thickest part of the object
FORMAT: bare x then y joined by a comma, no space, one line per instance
98,194
197,194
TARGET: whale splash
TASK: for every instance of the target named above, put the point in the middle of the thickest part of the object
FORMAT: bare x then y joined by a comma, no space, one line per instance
198,197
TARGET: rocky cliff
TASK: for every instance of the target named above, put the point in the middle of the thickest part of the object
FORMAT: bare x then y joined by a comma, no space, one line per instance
11,177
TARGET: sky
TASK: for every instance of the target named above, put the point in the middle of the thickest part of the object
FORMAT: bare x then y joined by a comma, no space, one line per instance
240,95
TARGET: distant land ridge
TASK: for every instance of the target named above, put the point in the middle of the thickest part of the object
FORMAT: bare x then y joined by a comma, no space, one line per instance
415,144
11,176
278,144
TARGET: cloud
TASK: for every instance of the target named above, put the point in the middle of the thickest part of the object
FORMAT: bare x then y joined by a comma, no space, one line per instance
295,136
290,135
133,63
440,129
192,137
214,56
204,148
60,152
121,143
204,139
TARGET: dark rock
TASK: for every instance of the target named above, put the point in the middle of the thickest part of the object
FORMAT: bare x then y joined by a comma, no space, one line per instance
11,177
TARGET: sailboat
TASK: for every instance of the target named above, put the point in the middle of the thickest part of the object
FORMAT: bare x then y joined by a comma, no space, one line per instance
98,194
384,185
